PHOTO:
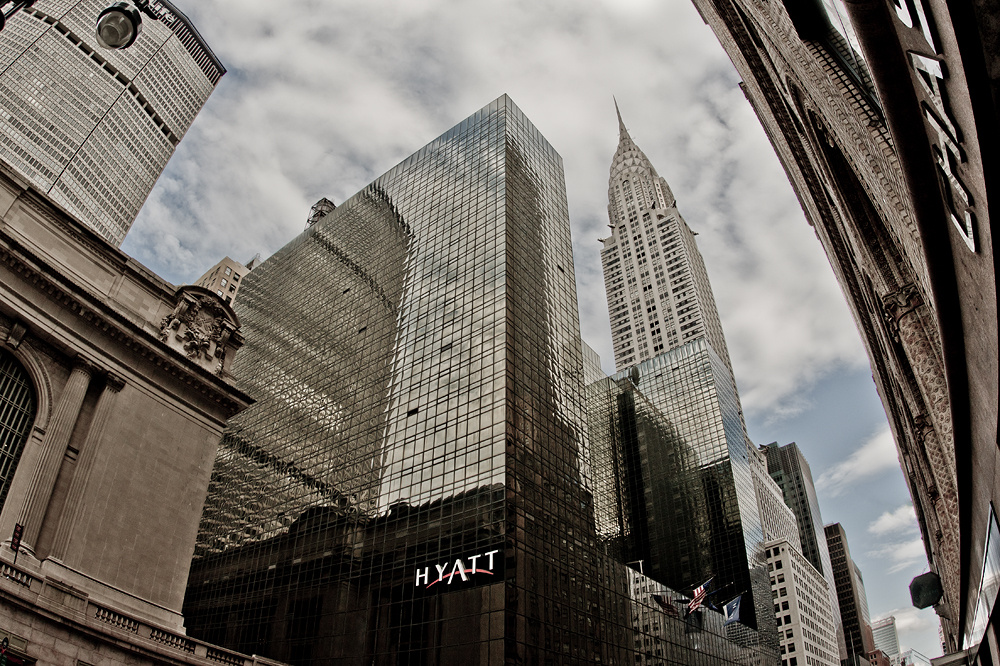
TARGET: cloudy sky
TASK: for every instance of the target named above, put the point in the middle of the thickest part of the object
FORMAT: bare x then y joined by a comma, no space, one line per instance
322,98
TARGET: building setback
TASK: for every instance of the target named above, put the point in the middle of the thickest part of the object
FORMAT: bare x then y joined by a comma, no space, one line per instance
90,127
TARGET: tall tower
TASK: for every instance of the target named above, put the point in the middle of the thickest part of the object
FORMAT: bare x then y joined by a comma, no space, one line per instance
93,128
659,296
411,484
851,595
691,495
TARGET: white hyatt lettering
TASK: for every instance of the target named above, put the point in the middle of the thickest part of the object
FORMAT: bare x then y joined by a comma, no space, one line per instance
490,555
472,560
459,569
440,570
425,575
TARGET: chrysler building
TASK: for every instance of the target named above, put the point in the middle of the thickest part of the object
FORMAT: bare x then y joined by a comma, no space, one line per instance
659,297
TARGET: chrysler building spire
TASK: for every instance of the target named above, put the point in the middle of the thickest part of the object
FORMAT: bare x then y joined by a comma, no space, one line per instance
659,297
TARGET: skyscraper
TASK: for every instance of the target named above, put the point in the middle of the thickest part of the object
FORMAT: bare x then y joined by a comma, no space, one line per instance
659,296
885,636
851,595
807,627
669,426
790,470
91,127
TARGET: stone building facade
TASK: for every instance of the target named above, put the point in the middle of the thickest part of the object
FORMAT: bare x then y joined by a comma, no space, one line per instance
884,116
114,388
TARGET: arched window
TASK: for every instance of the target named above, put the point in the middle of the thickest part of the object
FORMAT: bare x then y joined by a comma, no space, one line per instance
17,414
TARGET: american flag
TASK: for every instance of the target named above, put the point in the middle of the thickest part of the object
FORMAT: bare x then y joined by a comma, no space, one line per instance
665,604
698,597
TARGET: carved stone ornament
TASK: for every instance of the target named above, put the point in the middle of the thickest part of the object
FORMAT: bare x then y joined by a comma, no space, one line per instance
200,327
17,332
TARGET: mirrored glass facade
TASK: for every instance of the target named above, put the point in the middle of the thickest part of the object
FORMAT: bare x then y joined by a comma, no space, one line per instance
413,482
673,483
92,127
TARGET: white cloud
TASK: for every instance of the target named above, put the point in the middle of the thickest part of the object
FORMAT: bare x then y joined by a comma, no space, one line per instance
903,555
875,456
903,519
336,93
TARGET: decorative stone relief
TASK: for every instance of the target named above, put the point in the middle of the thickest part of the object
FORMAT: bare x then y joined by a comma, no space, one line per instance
202,327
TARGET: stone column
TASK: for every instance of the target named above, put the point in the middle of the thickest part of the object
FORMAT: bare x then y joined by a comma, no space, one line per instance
53,448
73,507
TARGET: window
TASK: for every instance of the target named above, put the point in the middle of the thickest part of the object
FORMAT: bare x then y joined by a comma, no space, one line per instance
236,277
229,271
224,282
17,415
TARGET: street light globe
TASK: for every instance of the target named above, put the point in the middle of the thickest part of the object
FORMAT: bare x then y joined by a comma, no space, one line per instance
118,26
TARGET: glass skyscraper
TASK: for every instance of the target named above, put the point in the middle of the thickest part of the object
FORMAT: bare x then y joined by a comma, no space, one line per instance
90,127
673,483
413,484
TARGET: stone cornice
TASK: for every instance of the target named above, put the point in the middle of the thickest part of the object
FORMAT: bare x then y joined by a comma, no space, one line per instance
90,308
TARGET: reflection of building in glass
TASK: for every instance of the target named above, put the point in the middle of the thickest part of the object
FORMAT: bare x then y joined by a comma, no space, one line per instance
807,627
648,490
92,127
677,440
412,483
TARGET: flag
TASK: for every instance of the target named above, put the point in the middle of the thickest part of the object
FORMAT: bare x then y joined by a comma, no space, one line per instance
732,611
668,608
698,596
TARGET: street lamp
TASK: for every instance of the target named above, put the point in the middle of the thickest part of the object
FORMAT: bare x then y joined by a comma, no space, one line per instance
118,25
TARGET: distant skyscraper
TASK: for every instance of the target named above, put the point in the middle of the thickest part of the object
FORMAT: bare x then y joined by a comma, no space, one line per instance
789,468
92,127
885,636
850,594
807,627
659,297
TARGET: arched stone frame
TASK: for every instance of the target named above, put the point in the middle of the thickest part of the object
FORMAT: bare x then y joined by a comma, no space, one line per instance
26,352
21,410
